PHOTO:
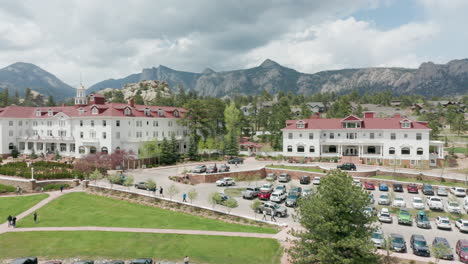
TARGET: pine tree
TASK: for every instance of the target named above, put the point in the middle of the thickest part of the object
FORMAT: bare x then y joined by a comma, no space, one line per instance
6,98
192,152
166,152
174,145
51,101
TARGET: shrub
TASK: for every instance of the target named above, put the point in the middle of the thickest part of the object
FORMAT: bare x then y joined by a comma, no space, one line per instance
231,203
6,188
55,186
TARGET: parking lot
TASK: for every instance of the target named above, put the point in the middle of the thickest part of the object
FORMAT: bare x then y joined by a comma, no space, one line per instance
160,176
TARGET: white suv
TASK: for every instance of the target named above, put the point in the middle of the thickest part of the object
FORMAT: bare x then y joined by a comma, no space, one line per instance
278,196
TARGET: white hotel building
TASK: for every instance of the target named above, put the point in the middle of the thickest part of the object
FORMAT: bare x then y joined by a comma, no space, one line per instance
370,140
90,126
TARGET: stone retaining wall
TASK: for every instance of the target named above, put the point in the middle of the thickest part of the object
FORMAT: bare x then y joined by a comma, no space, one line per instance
32,185
196,178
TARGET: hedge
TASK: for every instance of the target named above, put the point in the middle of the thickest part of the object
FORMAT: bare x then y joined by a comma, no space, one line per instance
42,170
6,188
55,186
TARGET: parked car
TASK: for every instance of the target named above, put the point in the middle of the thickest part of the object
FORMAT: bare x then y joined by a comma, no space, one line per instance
226,181
236,160
224,168
418,203
278,196
84,262
462,250
212,169
371,198
357,183
280,188
397,243
384,199
30,260
250,193
385,216
404,217
397,187
306,192
370,210
453,207
267,187
422,221
458,191
412,188
296,189
264,195
383,187
291,200
443,222
142,261
369,186
143,186
284,177
443,244
399,202
347,166
271,207
462,225
427,189
419,245
199,169
378,239
316,181
442,191
304,179
115,262
271,177
435,203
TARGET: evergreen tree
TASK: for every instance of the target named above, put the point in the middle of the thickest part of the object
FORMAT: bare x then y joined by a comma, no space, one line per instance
192,152
166,153
5,97
138,99
14,152
174,145
232,145
51,101
16,98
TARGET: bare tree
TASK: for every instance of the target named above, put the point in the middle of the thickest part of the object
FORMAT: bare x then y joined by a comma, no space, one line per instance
192,195
172,190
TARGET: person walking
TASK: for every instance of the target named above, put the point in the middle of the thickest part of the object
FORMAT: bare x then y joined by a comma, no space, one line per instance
184,197
13,222
35,217
273,212
186,260
161,191
10,218
264,215
61,188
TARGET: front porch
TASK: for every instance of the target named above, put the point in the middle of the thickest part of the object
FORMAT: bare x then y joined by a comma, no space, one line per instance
343,150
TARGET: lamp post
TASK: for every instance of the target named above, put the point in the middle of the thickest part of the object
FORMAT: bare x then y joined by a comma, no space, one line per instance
32,173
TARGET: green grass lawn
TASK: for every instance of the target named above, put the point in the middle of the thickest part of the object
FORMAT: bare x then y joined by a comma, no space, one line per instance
295,168
404,179
82,209
460,150
18,204
121,245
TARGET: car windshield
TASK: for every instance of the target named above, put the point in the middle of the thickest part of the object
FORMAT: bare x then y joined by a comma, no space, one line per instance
417,200
465,224
404,213
460,190
420,243
435,199
276,206
384,196
445,221
454,204
464,249
442,190
266,186
399,199
377,235
385,214
398,240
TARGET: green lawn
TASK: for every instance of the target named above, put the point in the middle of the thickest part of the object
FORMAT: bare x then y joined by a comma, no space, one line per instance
295,168
120,245
82,209
460,150
404,179
18,204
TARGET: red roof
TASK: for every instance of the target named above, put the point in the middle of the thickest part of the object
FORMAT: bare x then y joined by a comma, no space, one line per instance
108,109
367,123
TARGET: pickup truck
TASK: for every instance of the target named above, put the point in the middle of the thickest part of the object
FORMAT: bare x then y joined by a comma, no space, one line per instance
250,193
435,203
271,207
422,221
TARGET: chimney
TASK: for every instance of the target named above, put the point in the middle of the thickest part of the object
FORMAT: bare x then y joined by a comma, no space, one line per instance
369,114
397,115
131,102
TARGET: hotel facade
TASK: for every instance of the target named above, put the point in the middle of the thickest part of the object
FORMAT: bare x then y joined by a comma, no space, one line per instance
89,126
369,140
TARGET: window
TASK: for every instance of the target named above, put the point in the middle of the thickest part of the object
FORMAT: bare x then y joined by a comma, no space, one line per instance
332,149
81,110
139,123
155,123
104,150
20,123
35,132
61,123
392,162
92,123
11,146
81,150
127,111
169,123
104,123
147,112
62,133
391,151
290,135
418,136
351,124
160,112
81,123
95,111
406,135
289,148
176,113
371,149
413,162
92,134
419,151
50,112
81,134
38,112
392,136
72,147
300,135
40,146
104,135
117,123
10,123
351,135
371,135
49,133
300,125
311,135
139,134
10,133
406,124
49,123
117,135
300,148
92,150
311,149
34,123
332,135
405,151
63,147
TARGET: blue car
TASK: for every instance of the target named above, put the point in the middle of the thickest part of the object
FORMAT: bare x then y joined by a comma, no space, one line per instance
383,187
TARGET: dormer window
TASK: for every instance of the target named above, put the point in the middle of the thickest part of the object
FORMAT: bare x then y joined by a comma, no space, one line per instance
176,113
147,112
160,112
81,110
127,111
300,124
351,122
95,111
38,112
50,112
406,123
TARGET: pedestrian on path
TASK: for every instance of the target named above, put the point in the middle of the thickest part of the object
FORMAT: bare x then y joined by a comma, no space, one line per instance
61,188
273,212
42,189
10,218
264,215
186,260
13,222
161,191
184,196
35,217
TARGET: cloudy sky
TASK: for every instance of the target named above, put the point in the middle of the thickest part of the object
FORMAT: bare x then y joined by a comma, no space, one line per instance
112,39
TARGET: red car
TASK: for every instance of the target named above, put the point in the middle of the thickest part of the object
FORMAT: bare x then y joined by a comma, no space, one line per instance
369,186
462,250
264,195
412,188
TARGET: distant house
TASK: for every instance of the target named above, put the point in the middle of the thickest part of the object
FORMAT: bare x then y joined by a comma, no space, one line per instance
246,145
443,103
316,107
395,103
246,109
296,111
